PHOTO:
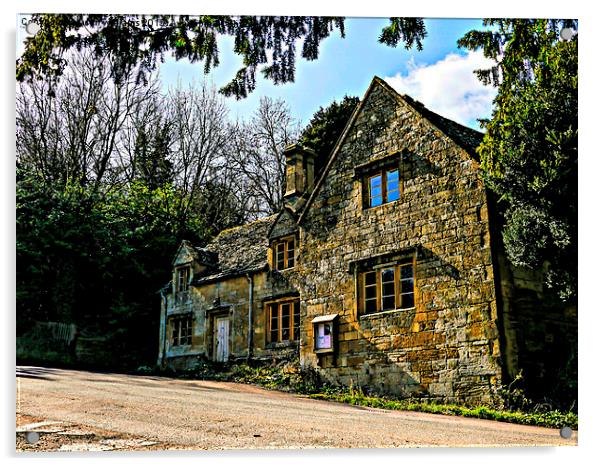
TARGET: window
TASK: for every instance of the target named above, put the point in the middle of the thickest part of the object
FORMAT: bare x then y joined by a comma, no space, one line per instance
383,187
284,250
181,331
182,275
387,287
283,321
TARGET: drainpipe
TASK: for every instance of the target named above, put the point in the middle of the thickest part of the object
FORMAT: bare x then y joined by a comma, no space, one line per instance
250,323
164,326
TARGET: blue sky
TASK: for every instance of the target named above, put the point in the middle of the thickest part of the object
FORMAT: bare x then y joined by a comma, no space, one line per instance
440,75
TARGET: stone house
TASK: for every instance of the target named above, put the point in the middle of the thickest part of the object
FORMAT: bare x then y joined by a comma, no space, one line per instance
384,269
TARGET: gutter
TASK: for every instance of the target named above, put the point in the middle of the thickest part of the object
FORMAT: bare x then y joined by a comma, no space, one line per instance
250,323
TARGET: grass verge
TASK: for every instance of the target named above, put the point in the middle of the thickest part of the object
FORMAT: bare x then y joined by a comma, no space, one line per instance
291,378
553,419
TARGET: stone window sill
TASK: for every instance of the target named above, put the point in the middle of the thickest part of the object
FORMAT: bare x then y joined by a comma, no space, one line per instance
285,270
376,315
282,344
372,208
324,350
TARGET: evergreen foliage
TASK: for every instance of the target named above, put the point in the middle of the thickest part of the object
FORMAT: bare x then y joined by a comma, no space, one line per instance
269,42
326,126
529,153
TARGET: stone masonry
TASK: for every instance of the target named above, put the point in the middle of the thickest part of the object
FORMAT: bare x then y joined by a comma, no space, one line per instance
462,336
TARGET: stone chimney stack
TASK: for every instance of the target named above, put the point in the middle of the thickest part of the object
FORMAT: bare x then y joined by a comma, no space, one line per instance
300,164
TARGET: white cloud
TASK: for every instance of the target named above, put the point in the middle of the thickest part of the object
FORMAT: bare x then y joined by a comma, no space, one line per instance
449,87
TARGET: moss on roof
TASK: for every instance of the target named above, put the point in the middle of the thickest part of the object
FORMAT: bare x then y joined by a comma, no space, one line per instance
240,249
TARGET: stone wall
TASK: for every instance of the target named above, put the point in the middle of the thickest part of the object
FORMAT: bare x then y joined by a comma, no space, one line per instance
540,335
228,297
446,347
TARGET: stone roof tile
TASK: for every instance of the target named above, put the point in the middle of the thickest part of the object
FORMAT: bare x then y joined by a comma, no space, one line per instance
240,249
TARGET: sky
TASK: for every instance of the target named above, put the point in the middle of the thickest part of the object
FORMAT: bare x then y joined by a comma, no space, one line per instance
440,76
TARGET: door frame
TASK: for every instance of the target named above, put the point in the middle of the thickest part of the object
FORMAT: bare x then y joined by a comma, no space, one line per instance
211,317
215,337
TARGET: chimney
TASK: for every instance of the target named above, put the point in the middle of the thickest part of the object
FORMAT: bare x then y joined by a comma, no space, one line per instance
300,162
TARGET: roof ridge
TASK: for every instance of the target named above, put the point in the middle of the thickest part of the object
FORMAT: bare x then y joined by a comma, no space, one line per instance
415,105
253,222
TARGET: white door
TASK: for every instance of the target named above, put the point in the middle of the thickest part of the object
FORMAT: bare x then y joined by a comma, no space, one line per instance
222,329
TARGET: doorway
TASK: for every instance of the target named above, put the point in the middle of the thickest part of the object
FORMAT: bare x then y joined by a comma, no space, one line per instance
221,339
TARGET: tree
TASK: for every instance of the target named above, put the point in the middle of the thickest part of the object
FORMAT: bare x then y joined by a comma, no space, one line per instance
257,155
325,127
98,259
148,144
71,132
201,133
529,153
142,40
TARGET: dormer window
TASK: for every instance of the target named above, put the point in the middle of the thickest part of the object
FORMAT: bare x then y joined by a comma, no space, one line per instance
284,253
182,278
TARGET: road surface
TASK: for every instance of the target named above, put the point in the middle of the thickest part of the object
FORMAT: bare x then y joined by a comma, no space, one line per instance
159,412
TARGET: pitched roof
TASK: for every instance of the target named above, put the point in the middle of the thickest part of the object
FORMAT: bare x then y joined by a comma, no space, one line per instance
467,138
239,250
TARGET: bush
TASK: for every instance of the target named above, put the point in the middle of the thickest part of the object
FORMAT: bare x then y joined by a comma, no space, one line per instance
35,349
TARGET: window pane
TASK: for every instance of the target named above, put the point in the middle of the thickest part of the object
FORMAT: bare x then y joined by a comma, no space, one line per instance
182,280
296,320
273,322
406,271
290,262
387,279
187,331
388,275
370,292
407,285
280,256
370,278
407,300
392,185
388,289
286,322
376,197
370,306
174,332
388,303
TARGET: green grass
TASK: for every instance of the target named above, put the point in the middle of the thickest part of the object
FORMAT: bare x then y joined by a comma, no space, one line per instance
553,419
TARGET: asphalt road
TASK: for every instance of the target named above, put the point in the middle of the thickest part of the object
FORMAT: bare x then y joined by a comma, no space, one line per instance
218,415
